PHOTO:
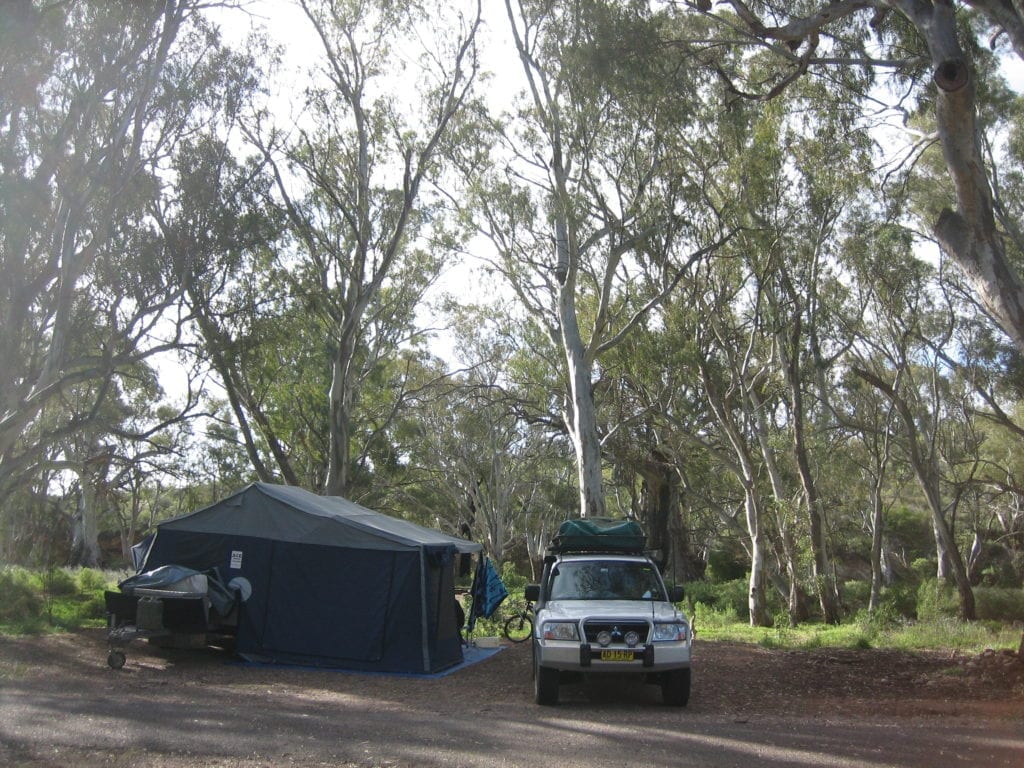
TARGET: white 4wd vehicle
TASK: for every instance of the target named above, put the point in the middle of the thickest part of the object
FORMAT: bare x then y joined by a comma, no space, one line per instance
608,611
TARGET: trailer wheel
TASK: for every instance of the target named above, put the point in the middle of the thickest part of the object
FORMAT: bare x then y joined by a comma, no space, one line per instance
116,659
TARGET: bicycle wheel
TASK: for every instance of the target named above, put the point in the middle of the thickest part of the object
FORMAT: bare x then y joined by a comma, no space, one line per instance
518,628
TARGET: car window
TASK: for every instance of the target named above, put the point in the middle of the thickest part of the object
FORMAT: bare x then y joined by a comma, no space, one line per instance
605,580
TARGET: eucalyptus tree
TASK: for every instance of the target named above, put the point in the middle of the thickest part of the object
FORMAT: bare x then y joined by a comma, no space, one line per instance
654,418
585,193
871,422
129,441
814,170
1001,475
352,176
731,363
931,55
222,242
487,469
895,354
93,96
473,461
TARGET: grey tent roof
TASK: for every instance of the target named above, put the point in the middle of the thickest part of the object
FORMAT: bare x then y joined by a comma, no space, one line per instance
288,513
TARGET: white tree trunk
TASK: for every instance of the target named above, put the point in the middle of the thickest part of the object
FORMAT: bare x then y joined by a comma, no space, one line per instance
581,413
756,597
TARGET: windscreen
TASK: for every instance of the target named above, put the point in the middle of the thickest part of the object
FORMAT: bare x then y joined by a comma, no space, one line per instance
605,580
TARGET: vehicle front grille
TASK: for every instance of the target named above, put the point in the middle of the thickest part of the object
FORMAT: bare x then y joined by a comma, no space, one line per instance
617,629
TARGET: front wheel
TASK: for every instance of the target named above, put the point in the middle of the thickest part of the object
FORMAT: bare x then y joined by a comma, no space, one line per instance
545,683
675,687
116,659
518,628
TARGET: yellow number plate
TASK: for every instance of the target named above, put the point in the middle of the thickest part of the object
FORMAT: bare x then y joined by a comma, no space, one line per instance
618,656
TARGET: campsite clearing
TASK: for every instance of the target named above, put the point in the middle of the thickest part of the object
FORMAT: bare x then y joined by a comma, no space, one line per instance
61,705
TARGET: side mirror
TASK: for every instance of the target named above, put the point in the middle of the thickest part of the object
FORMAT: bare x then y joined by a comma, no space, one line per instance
676,594
532,592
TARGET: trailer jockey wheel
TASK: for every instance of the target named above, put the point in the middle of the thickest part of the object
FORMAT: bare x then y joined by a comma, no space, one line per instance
116,659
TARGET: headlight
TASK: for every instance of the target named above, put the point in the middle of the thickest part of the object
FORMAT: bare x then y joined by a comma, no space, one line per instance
560,630
669,632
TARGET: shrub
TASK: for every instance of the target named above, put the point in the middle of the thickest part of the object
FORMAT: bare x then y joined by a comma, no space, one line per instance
34,602
900,599
725,566
924,568
856,595
91,580
20,600
701,592
999,604
704,615
936,600
732,596
59,583
514,583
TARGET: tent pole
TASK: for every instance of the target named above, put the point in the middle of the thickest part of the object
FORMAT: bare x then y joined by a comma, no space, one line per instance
425,627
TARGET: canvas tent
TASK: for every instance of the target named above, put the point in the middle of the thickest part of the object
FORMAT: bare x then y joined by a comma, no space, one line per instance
326,581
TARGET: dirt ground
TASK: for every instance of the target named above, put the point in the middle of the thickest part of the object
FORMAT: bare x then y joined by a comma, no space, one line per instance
60,705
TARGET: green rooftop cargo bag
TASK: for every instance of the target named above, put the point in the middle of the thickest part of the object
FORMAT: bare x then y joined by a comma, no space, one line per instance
599,534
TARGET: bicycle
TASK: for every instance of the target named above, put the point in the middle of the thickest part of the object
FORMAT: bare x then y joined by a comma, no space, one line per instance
519,626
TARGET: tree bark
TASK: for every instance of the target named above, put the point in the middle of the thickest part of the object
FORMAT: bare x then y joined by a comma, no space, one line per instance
662,513
877,521
969,234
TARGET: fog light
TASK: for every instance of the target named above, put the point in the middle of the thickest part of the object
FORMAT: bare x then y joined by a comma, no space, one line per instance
604,638
632,638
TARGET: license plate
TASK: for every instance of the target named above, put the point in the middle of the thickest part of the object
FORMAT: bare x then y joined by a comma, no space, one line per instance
617,656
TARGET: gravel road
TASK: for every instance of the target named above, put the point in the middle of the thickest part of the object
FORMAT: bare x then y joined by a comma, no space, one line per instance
60,705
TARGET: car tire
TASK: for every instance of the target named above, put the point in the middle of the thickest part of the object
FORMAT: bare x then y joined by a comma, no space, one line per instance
545,683
675,687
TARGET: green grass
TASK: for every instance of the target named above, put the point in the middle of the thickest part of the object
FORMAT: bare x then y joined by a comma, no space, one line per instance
942,634
34,602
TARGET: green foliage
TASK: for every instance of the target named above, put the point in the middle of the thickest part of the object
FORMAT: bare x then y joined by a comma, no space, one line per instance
59,583
923,568
728,598
936,600
910,531
899,600
951,634
33,602
91,580
999,604
20,595
514,583
816,636
862,632
725,566
856,595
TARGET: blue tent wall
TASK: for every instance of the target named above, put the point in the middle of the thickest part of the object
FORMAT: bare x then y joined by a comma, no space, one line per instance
444,635
354,608
374,606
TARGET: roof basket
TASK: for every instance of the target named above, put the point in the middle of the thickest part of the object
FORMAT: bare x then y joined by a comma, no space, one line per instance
599,534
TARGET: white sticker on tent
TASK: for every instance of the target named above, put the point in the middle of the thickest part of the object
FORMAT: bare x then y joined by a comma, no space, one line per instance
236,559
